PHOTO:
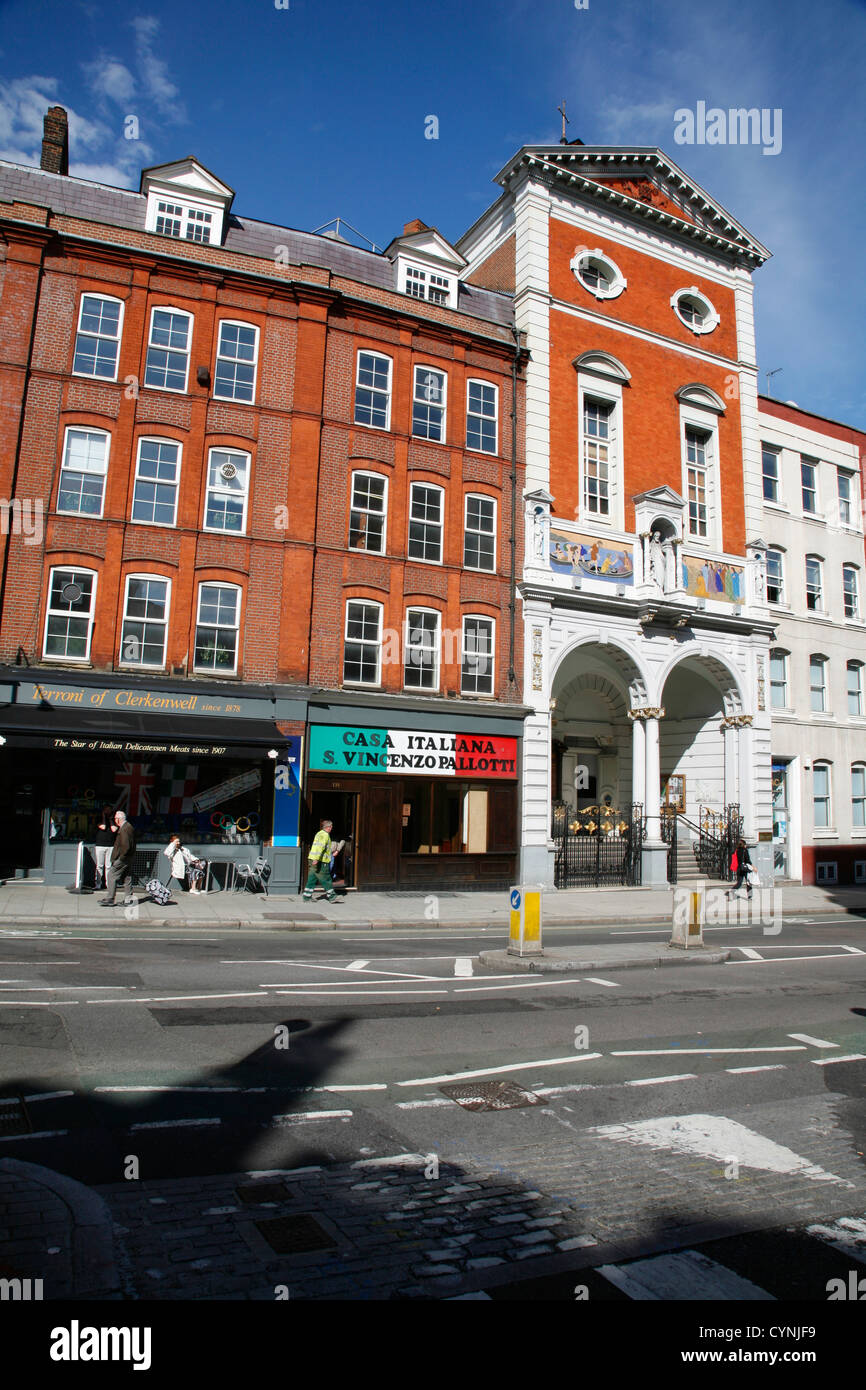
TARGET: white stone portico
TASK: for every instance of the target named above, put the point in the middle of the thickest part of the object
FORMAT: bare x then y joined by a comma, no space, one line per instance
632,684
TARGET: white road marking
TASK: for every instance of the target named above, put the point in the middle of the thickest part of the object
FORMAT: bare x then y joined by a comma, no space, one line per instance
395,1160
777,960
49,989
357,993
660,1080
595,980
702,1051
39,1134
371,1086
179,998
420,1104
561,1090
493,1071
175,1124
39,1003
716,1136
463,966
815,1042
741,1071
357,964
828,1061
750,953
301,1116
315,965
527,984
686,1276
854,950
51,1095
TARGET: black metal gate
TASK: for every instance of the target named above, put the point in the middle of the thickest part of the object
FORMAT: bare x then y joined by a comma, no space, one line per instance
719,833
669,835
598,846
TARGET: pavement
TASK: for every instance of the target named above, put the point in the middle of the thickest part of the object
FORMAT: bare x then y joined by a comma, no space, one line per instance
28,903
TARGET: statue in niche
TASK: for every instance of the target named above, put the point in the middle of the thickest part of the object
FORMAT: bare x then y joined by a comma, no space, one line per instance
658,560
540,531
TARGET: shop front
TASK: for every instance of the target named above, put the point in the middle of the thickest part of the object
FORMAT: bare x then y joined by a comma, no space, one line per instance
424,800
193,760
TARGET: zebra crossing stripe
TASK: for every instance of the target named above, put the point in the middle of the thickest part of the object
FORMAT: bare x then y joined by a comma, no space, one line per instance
686,1276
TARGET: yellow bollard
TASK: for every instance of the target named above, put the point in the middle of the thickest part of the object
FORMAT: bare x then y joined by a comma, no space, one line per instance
524,934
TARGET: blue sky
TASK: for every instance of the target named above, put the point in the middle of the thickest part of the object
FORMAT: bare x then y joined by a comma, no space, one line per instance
318,110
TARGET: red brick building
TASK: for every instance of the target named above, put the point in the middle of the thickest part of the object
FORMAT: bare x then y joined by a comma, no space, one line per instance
258,484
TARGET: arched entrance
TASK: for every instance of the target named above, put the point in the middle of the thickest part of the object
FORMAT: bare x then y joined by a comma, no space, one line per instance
597,826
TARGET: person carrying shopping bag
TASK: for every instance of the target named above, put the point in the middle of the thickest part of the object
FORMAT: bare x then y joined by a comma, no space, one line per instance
319,864
741,865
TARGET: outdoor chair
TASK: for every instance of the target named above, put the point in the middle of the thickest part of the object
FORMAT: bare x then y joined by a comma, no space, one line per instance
253,876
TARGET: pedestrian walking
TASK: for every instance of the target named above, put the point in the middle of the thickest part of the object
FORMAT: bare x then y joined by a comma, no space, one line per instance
741,865
319,864
120,868
102,846
184,864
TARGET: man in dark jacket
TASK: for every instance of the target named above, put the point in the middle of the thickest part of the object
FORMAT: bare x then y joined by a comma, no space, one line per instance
120,868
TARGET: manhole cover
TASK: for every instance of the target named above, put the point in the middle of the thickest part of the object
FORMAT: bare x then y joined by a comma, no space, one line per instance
256,1192
295,1235
491,1095
14,1118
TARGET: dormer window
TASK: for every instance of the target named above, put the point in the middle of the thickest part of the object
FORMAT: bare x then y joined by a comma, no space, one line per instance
186,201
426,266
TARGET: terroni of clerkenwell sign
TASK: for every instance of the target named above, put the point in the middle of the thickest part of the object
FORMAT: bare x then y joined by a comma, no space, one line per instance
336,748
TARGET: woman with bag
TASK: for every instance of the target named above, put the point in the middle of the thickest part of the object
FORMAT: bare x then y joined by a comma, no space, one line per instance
184,864
741,865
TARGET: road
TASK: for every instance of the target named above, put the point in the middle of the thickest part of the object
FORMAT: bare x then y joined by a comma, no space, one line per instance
667,1133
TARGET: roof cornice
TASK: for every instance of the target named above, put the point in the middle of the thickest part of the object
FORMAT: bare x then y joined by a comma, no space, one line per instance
551,162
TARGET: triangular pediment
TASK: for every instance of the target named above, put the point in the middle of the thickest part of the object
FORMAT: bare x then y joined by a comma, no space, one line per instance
427,245
641,181
660,496
189,176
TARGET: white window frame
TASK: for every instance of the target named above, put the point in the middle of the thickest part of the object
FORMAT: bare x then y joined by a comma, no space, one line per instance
852,572
217,491
776,453
364,642
851,480
807,461
72,570
478,694
818,607
821,767
155,439
709,473
176,209
418,399
436,649
388,393
817,665
236,627
475,415
98,337
429,285
123,659
65,468
855,668
152,347
611,397
776,550
431,487
235,361
778,654
483,497
710,319
858,798
368,511
616,281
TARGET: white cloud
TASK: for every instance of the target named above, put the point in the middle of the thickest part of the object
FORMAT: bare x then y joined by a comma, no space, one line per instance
106,156
110,80
154,70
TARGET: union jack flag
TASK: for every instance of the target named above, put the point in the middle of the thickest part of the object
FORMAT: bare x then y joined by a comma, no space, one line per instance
135,781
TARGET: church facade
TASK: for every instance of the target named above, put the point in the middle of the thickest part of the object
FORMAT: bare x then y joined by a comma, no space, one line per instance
647,630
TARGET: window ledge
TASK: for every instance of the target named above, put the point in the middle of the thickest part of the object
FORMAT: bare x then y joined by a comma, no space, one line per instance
776,507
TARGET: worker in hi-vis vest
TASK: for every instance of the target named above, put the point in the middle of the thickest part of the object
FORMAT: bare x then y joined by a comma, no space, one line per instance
319,862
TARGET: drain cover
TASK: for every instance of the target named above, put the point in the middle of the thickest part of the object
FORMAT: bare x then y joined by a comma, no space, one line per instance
295,1235
254,1193
491,1095
14,1118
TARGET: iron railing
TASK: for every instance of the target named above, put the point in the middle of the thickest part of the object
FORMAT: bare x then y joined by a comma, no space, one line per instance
719,833
669,835
599,845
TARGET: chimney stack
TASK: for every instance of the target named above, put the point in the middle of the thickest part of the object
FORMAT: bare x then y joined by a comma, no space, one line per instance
55,141
416,226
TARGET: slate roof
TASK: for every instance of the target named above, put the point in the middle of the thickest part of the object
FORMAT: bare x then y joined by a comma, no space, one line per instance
117,207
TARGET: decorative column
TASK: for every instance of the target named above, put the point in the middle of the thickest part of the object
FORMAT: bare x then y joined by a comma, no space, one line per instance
638,758
747,788
654,855
729,733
